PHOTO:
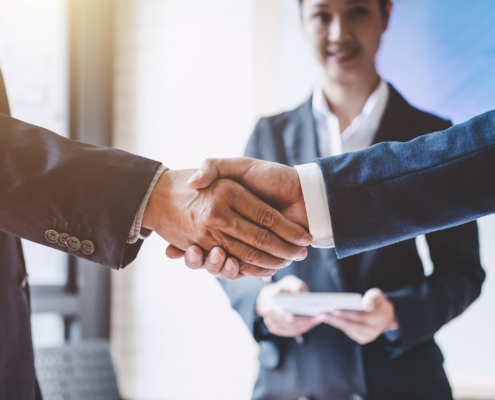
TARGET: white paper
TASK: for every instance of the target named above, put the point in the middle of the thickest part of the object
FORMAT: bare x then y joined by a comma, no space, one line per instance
316,303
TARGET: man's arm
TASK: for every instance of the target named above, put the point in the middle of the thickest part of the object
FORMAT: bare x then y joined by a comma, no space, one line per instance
391,191
396,191
83,200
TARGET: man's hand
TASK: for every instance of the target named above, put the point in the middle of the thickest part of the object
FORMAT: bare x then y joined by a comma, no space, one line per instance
226,215
278,321
365,326
274,183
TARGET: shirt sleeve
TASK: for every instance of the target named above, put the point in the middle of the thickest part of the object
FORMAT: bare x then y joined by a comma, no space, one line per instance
137,232
315,199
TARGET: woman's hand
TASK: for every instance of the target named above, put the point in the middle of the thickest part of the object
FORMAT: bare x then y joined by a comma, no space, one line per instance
365,326
278,321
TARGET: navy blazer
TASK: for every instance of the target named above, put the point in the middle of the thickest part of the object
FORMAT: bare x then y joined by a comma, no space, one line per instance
47,183
325,364
395,191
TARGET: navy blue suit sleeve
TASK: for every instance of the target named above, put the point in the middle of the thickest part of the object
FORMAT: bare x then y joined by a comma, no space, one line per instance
243,294
423,308
396,191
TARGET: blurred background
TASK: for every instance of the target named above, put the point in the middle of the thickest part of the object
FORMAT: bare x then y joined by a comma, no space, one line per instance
180,81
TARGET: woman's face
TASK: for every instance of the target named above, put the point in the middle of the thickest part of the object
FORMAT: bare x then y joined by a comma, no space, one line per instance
345,35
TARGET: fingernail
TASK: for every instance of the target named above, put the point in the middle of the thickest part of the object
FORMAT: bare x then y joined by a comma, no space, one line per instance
215,256
306,240
229,265
336,312
289,318
302,255
192,257
287,263
195,177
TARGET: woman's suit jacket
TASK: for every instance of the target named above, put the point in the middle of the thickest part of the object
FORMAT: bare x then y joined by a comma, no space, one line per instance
325,364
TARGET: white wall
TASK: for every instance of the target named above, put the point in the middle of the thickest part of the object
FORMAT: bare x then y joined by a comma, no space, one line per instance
184,92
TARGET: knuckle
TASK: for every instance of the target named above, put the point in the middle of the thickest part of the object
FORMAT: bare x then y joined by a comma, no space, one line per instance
252,256
263,239
266,217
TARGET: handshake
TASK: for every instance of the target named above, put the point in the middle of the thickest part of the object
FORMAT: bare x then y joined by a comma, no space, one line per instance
235,217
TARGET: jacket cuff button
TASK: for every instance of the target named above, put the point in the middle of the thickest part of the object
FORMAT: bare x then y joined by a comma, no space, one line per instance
62,239
73,243
87,247
51,236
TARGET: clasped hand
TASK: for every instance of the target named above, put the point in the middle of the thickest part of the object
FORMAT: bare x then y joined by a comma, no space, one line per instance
249,236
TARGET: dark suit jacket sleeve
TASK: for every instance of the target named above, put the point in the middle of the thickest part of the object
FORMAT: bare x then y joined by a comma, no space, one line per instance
50,182
244,293
396,191
423,308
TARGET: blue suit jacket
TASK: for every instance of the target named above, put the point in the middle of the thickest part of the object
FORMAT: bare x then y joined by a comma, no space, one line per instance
396,191
327,364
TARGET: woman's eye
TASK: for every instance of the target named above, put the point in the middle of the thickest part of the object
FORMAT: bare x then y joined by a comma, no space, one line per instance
323,18
358,12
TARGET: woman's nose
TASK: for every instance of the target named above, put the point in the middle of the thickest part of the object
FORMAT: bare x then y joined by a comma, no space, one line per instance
337,31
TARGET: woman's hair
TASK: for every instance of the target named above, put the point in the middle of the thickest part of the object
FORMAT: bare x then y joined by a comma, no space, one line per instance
383,3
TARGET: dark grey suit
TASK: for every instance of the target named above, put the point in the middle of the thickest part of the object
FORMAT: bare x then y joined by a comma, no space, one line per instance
326,364
49,183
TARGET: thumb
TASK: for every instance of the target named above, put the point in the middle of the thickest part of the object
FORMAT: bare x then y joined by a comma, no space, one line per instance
292,284
216,168
372,299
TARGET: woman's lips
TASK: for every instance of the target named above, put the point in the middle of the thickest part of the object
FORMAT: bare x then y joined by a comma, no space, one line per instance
342,56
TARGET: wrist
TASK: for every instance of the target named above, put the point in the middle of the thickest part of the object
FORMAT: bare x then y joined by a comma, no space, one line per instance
159,201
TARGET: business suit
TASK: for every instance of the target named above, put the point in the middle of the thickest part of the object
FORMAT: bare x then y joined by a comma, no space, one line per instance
326,364
434,182
51,186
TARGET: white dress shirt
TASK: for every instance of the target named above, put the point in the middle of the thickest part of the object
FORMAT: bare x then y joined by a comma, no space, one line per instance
331,142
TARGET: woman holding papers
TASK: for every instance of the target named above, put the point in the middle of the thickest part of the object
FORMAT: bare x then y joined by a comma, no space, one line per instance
387,351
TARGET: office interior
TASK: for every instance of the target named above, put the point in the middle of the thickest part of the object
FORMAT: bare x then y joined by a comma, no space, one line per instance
180,81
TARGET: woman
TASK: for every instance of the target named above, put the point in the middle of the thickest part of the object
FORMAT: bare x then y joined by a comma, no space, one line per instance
387,352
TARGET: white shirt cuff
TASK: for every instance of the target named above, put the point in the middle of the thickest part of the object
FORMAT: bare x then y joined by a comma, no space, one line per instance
315,198
136,232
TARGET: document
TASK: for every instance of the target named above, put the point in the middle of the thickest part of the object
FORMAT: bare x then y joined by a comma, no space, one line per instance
312,304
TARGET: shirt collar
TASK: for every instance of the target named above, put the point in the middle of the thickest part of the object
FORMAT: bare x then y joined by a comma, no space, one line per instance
373,109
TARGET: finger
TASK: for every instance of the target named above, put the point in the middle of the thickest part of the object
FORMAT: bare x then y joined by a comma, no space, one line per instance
250,255
257,211
213,169
355,316
174,253
265,240
292,284
345,324
372,299
254,271
194,257
218,265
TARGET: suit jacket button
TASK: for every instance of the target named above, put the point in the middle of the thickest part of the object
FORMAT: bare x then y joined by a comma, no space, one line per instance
62,239
51,236
87,247
356,396
300,339
305,398
73,243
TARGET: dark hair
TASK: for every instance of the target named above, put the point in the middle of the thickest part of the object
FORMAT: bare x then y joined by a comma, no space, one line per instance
383,3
